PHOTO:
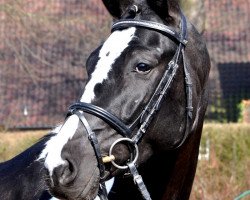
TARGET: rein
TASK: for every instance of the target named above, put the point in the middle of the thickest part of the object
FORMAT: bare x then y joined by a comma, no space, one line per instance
148,113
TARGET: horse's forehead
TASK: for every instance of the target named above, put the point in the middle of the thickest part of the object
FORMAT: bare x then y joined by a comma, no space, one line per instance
110,51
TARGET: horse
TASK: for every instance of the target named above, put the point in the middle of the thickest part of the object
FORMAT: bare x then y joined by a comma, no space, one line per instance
140,117
23,177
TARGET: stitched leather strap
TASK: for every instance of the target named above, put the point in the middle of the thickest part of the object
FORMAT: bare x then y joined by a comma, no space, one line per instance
166,30
139,182
93,140
109,118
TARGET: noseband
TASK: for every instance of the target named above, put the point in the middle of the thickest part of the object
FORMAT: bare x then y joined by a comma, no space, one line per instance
144,119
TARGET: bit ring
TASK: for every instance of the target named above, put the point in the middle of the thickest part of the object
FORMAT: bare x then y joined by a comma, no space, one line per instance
135,153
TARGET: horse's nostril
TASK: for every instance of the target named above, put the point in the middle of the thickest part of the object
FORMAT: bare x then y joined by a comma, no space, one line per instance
71,167
65,173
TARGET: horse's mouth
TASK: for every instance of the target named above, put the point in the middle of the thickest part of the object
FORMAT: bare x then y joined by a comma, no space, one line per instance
92,187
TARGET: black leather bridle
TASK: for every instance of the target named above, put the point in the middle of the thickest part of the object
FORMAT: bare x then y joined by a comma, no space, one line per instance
144,119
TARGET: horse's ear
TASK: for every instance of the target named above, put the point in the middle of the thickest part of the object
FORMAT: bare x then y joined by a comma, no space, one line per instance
166,9
113,6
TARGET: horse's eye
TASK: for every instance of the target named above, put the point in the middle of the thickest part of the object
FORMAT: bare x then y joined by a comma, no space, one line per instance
143,68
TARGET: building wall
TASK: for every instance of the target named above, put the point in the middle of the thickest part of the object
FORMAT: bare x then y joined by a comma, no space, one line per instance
228,40
43,49
44,45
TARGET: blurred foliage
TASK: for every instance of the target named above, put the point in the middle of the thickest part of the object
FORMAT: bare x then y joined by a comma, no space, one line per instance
12,143
240,107
44,46
195,12
226,173
186,4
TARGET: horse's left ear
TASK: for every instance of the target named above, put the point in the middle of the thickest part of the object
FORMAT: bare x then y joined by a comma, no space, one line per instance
166,9
113,6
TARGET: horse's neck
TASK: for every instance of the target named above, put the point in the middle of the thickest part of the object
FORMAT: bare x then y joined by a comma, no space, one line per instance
23,175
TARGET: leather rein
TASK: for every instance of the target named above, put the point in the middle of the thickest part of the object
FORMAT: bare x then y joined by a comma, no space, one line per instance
145,118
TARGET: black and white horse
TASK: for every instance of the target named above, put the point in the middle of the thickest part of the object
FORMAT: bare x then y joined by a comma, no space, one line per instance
142,109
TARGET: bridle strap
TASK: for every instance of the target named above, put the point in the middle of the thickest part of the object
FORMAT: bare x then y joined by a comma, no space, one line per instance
156,100
189,108
139,181
189,85
161,91
166,30
93,140
102,193
106,116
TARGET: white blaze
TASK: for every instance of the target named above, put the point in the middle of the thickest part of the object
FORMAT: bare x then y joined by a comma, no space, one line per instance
52,151
111,50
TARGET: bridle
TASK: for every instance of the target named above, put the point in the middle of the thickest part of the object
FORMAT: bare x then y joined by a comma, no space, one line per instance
144,119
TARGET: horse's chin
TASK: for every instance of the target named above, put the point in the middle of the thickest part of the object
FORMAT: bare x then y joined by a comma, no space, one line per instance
92,187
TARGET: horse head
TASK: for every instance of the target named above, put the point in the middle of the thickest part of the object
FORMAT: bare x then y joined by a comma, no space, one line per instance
145,96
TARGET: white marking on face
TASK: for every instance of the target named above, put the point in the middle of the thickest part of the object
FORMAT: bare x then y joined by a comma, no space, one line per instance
110,51
52,151
113,47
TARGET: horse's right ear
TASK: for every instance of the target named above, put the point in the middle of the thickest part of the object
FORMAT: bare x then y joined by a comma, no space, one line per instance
113,6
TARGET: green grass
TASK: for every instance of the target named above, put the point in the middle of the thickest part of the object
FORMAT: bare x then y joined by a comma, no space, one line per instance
223,177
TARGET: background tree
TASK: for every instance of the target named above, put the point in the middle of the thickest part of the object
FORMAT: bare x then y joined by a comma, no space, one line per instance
195,11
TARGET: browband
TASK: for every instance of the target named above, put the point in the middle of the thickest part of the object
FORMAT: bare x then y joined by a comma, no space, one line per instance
166,30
